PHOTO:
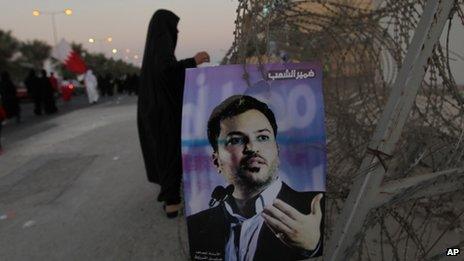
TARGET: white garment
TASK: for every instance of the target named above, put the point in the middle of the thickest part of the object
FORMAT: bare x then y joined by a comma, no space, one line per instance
91,83
250,227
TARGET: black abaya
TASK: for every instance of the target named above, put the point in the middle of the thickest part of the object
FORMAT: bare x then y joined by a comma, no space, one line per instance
47,94
159,113
32,83
9,97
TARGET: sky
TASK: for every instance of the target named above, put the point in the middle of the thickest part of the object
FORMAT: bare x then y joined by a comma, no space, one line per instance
205,25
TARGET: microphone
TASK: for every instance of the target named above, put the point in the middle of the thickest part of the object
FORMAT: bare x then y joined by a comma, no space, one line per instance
220,194
229,190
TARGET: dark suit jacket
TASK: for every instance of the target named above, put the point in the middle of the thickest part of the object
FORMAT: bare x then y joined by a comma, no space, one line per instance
209,231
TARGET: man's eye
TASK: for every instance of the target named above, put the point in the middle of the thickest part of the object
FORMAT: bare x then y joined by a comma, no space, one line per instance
235,141
262,138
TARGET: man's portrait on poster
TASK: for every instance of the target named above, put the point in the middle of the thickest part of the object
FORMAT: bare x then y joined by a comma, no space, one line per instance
256,216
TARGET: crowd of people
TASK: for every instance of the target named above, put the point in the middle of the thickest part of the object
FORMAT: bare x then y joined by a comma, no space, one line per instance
125,84
43,89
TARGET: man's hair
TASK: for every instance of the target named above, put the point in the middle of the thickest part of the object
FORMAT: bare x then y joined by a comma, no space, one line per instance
234,106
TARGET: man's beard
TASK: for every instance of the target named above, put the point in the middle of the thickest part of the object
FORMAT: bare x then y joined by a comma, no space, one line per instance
257,183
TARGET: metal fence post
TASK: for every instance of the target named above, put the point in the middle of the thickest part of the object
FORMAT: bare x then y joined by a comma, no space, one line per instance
388,131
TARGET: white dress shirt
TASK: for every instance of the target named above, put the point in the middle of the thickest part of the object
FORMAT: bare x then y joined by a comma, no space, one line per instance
248,228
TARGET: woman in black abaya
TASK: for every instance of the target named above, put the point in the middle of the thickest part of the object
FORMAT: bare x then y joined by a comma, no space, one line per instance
32,83
159,112
9,97
47,92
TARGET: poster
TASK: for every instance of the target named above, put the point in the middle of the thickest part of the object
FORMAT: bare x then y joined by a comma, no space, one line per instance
254,161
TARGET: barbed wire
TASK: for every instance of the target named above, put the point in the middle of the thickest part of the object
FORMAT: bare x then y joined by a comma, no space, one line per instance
362,46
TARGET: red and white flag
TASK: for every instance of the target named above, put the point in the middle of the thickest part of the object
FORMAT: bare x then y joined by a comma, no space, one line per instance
65,54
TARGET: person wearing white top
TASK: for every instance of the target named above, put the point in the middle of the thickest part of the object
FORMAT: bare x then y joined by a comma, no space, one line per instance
91,84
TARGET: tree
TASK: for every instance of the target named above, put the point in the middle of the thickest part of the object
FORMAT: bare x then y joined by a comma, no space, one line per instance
78,48
34,53
97,62
9,46
18,57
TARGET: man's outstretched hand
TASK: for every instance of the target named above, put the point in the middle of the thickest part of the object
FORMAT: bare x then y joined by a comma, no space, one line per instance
292,227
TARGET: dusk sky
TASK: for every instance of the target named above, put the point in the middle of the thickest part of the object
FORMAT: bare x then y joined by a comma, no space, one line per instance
204,25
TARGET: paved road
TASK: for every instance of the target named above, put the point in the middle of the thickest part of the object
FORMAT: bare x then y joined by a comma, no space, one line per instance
73,187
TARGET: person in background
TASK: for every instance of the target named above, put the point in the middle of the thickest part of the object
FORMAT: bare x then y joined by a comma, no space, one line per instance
53,82
66,90
34,91
2,118
133,84
9,97
121,83
109,84
159,110
91,84
101,84
47,93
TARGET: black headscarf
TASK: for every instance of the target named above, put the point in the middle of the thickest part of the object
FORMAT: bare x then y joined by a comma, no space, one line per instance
159,49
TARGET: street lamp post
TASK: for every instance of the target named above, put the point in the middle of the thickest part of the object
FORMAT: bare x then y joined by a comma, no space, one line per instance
52,14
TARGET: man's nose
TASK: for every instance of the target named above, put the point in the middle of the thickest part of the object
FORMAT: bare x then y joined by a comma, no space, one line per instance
250,147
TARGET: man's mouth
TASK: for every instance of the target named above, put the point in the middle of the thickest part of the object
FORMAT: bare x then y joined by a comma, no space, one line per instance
253,164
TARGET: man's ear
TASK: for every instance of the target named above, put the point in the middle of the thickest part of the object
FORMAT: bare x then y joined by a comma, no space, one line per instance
215,159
